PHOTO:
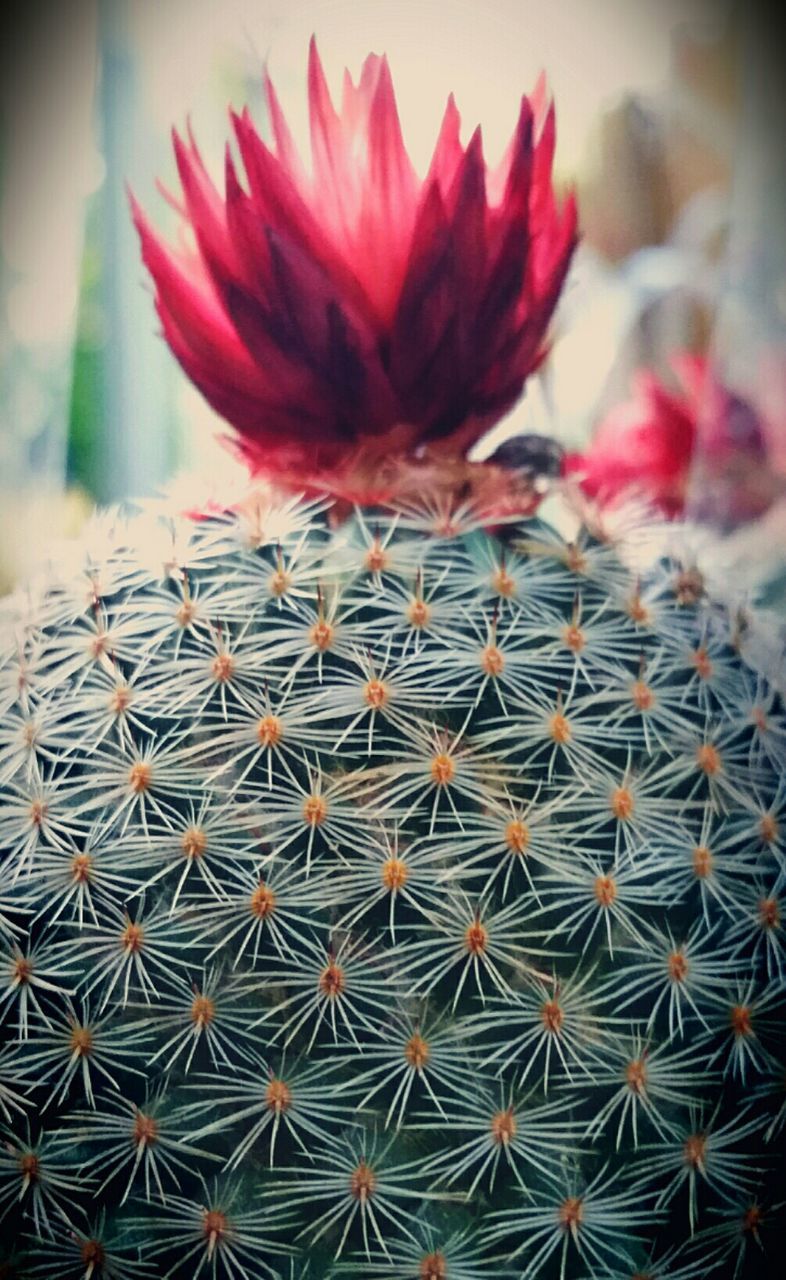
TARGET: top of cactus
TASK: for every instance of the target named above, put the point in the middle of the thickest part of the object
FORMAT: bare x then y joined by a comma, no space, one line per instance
359,327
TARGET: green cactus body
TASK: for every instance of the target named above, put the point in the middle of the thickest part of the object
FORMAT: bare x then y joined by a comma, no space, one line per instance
386,902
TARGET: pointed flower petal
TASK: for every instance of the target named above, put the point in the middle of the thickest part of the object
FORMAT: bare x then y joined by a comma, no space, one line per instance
346,318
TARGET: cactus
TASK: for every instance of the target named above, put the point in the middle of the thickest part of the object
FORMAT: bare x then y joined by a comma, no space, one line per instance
403,903
389,886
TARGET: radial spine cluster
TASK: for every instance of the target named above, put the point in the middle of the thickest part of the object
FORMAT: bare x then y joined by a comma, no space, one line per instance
386,899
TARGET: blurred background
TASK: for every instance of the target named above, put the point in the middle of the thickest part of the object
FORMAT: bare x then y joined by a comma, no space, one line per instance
669,124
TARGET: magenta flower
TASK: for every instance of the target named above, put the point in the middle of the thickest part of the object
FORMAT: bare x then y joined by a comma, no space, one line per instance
695,446
352,319
645,445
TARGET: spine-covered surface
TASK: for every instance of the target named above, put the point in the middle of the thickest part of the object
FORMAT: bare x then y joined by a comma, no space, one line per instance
387,903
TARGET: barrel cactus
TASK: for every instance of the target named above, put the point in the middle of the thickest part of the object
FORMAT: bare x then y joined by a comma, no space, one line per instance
390,886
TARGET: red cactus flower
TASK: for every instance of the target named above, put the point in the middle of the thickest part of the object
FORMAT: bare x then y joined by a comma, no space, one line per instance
350,319
659,441
645,445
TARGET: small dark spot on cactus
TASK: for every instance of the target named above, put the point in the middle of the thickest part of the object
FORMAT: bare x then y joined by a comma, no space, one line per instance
186,613
145,1132
574,638
315,810
694,1150
559,728
636,1075
759,718
642,695
193,842
120,700
538,455
502,583
752,1219
476,938
689,587
38,812
223,668
29,1167
677,965
362,1181
571,1214
418,613
708,759
278,1095
98,645
321,635
376,559
263,901
504,1127
492,660
81,1040
517,836
376,694
270,731
332,981
575,560
279,583
702,861
417,1052
203,1010
769,913
769,829
741,1018
433,1267
443,769
446,527
638,612
132,938
81,867
605,889
215,1226
740,630
395,874
552,1016
622,804
21,970
93,1254
703,664
140,775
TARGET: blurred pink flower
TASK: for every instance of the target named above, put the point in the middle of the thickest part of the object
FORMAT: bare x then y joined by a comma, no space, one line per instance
697,447
358,314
